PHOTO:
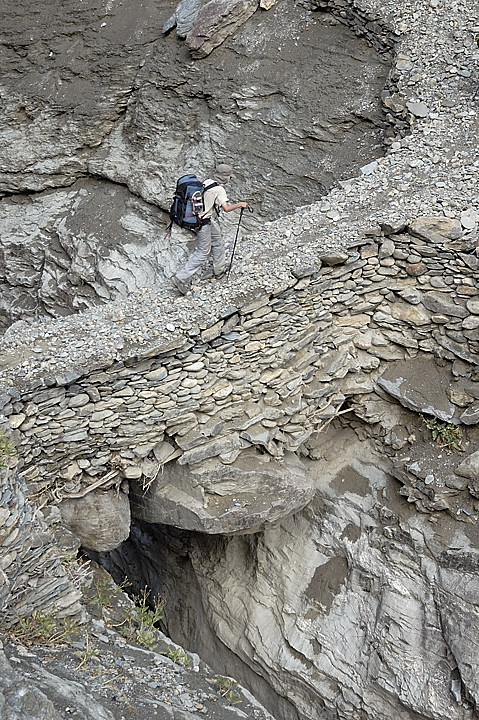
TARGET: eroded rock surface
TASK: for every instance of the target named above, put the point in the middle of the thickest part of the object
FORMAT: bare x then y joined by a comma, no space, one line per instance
353,603
99,92
280,95
66,77
71,249
362,603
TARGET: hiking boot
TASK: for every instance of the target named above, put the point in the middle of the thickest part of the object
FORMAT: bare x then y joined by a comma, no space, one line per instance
179,285
220,275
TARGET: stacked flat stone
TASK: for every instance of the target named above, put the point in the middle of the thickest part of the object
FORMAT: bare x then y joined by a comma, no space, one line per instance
31,574
266,376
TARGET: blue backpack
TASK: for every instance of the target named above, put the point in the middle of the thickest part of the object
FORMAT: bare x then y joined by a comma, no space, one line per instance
188,204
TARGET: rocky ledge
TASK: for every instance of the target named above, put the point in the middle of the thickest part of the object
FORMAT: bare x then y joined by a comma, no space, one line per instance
360,309
429,172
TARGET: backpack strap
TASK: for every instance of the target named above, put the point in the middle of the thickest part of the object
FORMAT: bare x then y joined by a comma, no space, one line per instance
168,230
209,187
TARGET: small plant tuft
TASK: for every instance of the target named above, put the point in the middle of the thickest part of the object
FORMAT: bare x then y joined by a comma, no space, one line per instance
100,593
147,616
86,654
139,621
446,435
227,689
177,655
7,450
43,628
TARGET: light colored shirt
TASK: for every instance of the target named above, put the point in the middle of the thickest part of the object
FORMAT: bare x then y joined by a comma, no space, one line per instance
216,196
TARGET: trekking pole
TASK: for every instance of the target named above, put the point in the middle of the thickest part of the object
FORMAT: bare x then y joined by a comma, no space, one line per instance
236,238
168,231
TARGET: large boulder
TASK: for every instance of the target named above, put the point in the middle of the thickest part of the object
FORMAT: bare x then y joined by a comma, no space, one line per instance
420,385
100,520
211,497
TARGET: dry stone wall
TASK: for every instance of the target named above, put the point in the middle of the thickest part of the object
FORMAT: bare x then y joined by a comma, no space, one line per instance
32,576
202,431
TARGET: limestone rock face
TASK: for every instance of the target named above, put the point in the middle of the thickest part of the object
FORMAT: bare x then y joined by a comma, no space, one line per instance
355,602
211,497
66,76
245,96
100,520
111,98
80,247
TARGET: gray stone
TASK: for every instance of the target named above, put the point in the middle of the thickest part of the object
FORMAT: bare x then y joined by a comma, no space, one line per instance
440,303
215,21
419,109
420,385
101,520
436,229
214,498
210,449
387,249
262,376
183,18
469,218
471,323
158,374
473,305
469,467
458,349
20,698
414,315
411,295
333,258
471,415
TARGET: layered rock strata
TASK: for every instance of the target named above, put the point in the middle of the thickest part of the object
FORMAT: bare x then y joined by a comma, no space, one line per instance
32,575
100,120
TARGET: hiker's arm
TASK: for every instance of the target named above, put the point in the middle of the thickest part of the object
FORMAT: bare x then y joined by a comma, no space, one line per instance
234,206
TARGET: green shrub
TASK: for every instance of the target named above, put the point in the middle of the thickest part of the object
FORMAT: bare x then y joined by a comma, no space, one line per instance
227,689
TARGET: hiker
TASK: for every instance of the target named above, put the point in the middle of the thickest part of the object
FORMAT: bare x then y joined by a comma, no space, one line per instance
209,238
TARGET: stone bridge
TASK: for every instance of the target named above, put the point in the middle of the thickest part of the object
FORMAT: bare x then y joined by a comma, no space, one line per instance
208,431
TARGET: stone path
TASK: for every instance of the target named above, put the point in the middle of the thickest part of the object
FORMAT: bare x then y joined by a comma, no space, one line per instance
432,171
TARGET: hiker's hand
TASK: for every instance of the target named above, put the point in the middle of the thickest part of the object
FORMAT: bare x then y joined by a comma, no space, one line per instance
243,204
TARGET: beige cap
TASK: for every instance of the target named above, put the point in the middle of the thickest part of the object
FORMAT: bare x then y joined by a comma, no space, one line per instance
223,173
